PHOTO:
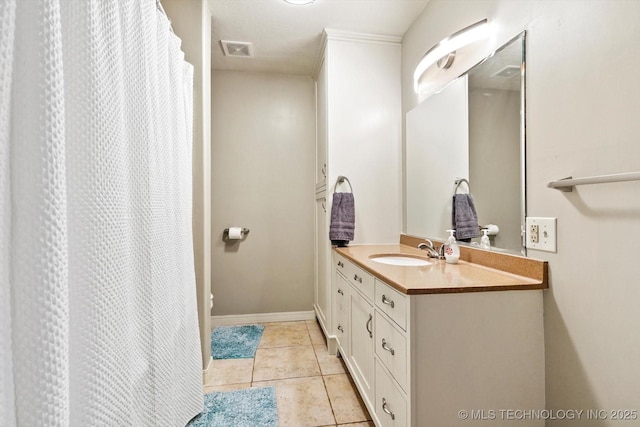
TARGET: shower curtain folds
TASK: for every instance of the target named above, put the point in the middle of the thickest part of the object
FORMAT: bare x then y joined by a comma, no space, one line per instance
97,297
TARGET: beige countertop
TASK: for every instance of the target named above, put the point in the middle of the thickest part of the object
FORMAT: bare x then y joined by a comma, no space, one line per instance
440,277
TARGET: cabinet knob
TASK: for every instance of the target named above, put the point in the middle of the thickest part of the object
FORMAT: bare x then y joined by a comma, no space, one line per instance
357,278
387,301
386,347
340,328
341,292
340,264
387,410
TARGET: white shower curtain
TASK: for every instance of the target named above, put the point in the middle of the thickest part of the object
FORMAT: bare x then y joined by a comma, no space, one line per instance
98,322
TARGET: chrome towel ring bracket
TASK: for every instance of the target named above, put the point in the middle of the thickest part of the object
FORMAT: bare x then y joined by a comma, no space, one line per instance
459,181
341,179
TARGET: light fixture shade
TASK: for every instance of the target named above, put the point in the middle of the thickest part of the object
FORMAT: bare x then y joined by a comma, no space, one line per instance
299,2
466,36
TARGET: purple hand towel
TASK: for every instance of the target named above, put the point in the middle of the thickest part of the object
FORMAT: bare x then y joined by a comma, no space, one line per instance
343,218
464,218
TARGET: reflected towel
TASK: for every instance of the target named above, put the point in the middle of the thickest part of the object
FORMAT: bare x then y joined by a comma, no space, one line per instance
464,218
343,219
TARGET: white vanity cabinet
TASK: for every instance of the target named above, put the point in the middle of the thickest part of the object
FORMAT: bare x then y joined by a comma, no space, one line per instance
423,360
341,295
360,354
358,124
322,289
354,310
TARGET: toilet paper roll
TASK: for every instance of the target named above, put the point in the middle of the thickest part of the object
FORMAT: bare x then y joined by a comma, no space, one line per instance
235,233
492,229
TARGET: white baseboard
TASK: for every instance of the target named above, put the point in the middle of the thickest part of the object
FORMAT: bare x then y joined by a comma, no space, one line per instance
241,319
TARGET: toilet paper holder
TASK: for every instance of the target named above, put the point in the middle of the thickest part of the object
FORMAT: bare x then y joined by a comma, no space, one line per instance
225,233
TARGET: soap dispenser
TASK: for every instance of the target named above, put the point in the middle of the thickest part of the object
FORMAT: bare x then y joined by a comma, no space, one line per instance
451,249
485,243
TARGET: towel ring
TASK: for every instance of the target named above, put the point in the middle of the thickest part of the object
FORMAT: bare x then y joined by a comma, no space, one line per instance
459,181
340,180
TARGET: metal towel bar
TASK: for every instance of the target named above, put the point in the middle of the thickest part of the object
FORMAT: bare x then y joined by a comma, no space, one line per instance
567,184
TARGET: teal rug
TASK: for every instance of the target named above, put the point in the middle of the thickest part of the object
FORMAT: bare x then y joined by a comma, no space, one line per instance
235,342
250,407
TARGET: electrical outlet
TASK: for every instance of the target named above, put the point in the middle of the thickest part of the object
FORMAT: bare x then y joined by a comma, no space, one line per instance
541,234
533,233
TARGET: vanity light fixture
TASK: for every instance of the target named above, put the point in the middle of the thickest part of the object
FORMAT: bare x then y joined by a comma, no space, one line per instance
443,53
299,2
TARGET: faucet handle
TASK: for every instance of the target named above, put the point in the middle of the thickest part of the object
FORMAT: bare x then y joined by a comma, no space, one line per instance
426,244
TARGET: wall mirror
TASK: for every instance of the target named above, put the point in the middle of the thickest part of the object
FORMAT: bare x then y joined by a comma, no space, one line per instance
473,129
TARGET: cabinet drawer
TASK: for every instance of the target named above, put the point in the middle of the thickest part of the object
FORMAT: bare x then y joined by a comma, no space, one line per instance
392,302
391,403
361,280
391,348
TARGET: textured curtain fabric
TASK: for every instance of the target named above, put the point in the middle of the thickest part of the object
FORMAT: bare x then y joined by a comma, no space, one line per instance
97,298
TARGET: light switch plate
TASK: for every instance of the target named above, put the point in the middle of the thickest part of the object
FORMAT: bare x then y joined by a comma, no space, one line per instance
546,234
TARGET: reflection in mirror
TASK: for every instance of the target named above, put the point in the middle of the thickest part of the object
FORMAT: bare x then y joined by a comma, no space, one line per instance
472,129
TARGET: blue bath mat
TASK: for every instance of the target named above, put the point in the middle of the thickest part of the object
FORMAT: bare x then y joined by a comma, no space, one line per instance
235,342
250,407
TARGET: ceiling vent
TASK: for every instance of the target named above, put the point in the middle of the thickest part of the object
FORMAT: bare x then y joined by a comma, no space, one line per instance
241,49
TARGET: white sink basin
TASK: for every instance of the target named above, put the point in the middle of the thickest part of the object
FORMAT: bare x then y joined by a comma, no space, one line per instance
400,259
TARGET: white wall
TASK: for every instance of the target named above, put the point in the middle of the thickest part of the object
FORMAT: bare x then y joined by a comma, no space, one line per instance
263,157
583,110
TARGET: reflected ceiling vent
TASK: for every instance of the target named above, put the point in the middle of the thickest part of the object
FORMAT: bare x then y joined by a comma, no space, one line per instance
241,49
507,72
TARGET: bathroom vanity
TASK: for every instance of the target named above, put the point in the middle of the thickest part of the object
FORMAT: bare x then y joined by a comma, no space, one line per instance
441,344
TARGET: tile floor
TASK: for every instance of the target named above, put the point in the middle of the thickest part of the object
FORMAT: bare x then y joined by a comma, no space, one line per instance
313,388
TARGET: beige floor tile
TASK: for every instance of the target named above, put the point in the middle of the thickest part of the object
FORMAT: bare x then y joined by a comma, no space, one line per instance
329,364
284,334
285,362
229,371
226,387
345,401
315,332
301,402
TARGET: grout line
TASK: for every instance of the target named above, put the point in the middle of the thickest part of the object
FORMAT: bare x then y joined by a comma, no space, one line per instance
333,412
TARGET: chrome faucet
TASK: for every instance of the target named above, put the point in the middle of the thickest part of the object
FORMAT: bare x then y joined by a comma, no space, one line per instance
427,245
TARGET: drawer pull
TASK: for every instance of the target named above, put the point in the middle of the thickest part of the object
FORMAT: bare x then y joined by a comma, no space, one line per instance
386,347
341,292
340,328
340,264
387,301
386,410
357,278
367,326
